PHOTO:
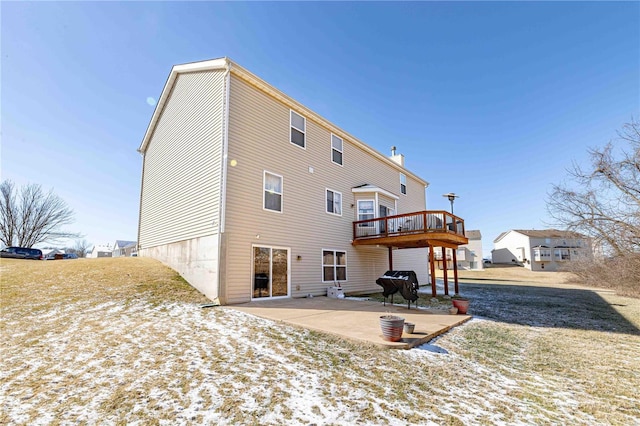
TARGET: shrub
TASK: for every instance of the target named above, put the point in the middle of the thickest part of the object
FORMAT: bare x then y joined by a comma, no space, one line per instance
621,273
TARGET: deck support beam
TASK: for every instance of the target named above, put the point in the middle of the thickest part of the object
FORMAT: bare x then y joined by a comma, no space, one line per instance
390,258
455,271
444,271
432,270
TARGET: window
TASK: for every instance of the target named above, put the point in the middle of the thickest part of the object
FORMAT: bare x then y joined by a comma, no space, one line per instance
336,149
561,254
541,254
334,202
334,265
403,183
365,211
272,192
298,126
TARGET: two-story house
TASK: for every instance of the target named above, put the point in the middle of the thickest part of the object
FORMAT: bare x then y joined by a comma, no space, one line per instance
540,250
250,195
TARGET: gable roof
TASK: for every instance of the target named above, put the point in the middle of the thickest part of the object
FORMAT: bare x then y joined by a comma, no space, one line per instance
101,248
229,66
124,244
473,234
549,233
542,233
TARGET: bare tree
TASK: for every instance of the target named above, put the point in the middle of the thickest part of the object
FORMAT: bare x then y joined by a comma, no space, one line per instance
30,216
81,247
603,201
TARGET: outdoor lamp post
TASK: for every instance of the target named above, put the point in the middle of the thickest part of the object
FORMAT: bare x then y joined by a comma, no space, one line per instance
451,196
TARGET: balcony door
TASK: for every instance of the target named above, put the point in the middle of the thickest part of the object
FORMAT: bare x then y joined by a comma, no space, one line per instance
270,272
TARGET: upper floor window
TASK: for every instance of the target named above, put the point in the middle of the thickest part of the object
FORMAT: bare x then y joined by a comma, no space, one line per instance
366,211
334,202
272,192
298,129
336,149
403,183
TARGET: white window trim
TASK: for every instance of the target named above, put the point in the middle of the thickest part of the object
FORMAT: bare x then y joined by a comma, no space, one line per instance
358,210
264,181
304,132
341,201
340,151
346,265
251,277
402,175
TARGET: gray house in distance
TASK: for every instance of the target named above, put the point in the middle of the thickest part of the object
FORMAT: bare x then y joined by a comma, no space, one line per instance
250,195
122,248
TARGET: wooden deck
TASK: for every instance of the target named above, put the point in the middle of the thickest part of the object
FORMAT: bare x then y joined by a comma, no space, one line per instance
429,228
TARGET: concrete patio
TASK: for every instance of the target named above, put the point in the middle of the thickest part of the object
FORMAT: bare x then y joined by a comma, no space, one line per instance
353,319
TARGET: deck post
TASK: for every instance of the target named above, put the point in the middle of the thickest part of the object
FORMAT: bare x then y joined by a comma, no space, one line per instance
455,271
444,271
432,268
390,258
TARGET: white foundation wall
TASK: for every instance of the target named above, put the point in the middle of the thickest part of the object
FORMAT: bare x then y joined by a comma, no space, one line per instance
196,260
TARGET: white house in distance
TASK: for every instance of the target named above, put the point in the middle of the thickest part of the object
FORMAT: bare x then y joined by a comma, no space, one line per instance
250,195
470,255
540,250
100,251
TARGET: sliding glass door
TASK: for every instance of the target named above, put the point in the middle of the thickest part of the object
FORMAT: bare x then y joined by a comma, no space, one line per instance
270,272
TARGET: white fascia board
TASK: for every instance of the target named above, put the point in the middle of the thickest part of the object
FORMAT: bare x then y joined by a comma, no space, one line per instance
374,189
213,64
257,82
297,106
501,236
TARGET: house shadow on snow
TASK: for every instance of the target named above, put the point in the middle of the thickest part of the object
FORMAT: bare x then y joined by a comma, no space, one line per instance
540,306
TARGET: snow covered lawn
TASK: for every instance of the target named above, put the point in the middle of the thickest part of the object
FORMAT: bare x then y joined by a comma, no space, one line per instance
111,341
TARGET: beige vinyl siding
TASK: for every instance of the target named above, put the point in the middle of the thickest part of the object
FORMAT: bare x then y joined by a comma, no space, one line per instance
389,203
259,141
181,180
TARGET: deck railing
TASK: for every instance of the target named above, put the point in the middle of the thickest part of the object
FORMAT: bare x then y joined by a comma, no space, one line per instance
430,221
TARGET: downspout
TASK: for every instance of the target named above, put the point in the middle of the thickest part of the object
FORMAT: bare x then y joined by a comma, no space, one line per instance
140,203
225,150
223,179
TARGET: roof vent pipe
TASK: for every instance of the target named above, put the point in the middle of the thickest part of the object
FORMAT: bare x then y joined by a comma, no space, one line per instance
393,151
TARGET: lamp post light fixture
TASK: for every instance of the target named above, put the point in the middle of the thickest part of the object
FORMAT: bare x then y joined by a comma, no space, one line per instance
451,196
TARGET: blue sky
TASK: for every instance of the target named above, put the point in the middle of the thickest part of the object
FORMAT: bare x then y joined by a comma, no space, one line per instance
490,100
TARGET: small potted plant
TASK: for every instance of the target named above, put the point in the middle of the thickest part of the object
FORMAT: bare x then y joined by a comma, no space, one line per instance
461,303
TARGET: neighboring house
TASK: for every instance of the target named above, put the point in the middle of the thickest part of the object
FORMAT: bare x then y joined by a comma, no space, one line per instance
50,253
544,250
100,251
250,195
123,248
469,256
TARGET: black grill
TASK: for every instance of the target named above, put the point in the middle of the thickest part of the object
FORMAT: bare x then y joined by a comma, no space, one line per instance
405,282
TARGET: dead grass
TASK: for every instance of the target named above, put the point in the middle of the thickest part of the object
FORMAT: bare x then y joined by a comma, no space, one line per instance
511,273
125,341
